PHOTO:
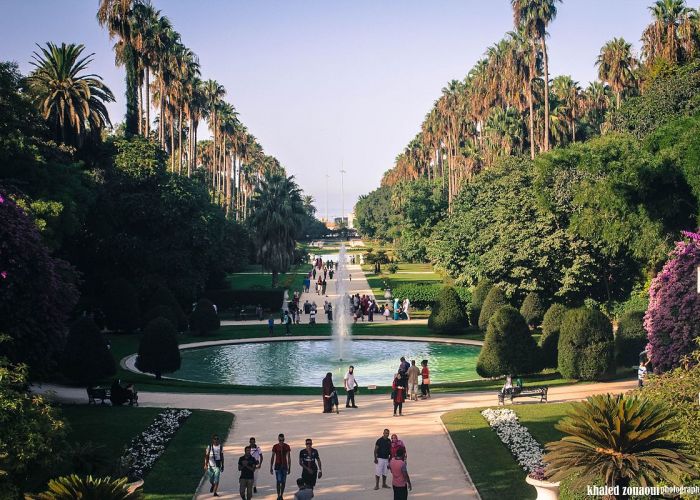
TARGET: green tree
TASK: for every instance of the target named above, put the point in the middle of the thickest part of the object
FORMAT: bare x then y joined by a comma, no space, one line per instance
621,440
121,306
616,66
162,296
493,302
532,309
204,318
479,294
586,345
276,212
549,341
87,357
509,348
72,103
447,315
630,338
158,351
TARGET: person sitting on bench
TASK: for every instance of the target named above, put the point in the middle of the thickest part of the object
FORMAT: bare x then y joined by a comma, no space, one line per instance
508,386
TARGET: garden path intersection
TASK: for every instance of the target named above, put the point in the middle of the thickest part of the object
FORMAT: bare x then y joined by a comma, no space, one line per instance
345,441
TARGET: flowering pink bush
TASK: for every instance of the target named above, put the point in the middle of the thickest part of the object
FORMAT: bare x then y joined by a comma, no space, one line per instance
671,320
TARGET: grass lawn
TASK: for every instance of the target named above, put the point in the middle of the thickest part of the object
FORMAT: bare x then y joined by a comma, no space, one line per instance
254,277
177,473
491,466
406,274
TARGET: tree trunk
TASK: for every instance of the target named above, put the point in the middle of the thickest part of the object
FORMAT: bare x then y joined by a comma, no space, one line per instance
532,108
148,103
161,121
140,109
131,118
546,94
172,143
179,144
617,99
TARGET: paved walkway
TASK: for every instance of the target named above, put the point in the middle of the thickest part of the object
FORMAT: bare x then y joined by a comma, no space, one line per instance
345,441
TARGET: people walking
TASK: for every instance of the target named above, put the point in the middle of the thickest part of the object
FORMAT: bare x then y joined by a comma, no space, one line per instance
641,373
257,454
406,305
304,493
413,373
271,325
400,480
281,462
308,459
214,463
287,323
312,316
350,386
425,379
397,394
382,453
330,396
247,465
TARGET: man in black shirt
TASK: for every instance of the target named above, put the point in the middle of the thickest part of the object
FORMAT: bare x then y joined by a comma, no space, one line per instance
382,451
307,459
247,465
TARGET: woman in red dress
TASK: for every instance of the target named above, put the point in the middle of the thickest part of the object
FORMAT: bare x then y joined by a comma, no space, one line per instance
398,391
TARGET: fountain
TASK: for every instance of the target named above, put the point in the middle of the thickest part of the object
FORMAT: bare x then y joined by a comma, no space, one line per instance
340,326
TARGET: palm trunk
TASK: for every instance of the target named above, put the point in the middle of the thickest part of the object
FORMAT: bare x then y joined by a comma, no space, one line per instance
617,99
161,122
228,186
140,107
131,118
532,108
546,94
172,142
179,144
148,103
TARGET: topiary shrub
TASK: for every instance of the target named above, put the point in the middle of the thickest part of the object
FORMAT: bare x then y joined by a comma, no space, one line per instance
586,345
551,324
164,297
121,306
160,311
158,352
87,357
509,348
448,314
481,290
630,338
493,302
532,309
204,318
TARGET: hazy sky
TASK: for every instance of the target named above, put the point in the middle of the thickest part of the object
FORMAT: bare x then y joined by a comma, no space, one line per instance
325,83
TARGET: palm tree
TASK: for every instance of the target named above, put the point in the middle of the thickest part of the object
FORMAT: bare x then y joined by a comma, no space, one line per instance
569,99
213,93
116,16
616,66
533,16
146,27
673,29
619,439
277,210
72,103
596,102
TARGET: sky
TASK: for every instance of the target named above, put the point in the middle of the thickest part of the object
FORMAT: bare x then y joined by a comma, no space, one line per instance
334,84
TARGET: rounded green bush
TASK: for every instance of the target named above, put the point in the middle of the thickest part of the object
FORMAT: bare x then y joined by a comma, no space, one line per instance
158,350
121,307
549,341
509,348
86,356
159,311
630,339
448,315
204,318
532,309
495,299
586,345
164,297
481,290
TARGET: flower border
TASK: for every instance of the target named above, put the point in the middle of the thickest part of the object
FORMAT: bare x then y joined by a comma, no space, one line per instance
524,448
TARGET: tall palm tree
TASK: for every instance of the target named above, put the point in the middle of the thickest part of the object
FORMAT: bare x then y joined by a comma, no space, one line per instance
115,15
596,102
72,103
214,92
616,66
672,28
619,439
534,16
277,210
146,26
570,101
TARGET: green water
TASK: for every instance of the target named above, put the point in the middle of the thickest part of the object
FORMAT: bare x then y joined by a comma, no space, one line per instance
305,363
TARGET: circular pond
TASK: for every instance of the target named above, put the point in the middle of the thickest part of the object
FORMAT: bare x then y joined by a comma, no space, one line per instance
304,363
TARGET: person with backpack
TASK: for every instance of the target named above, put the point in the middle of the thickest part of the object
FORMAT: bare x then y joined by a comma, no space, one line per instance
214,463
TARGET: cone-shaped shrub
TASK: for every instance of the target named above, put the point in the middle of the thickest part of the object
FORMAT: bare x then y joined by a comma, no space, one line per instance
586,345
493,302
164,297
630,338
158,352
549,341
448,313
86,357
509,348
204,318
159,312
532,309
121,306
481,290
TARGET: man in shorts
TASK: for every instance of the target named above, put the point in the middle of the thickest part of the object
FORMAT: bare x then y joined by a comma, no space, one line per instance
256,452
382,450
280,461
247,465
308,457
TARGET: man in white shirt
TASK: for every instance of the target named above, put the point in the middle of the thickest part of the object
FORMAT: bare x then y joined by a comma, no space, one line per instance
350,387
256,453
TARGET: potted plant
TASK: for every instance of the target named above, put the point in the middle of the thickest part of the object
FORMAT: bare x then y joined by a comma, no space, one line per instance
546,490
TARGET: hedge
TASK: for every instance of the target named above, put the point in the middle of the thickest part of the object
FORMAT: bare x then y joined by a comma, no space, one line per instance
586,345
532,309
227,300
204,318
495,299
549,341
630,338
86,357
448,315
423,296
121,307
158,349
481,290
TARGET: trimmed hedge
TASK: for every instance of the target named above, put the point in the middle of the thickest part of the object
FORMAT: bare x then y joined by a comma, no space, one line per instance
164,297
630,338
495,299
86,357
481,290
158,350
121,307
423,296
549,341
227,300
204,318
532,309
160,311
586,345
448,315
509,348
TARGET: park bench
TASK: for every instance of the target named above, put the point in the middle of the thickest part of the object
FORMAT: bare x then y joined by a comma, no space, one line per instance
246,312
95,393
523,392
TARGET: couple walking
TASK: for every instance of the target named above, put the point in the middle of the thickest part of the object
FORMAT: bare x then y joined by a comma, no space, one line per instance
390,456
330,394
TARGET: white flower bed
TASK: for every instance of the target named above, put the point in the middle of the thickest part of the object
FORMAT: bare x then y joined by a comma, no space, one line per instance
526,450
147,447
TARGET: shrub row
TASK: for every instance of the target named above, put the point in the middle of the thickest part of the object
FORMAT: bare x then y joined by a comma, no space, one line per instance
229,299
426,295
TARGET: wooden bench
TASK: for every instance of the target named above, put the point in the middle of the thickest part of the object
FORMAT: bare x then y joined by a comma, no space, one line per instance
95,393
524,392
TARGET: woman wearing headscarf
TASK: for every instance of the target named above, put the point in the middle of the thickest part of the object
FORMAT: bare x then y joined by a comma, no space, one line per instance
396,443
330,396
398,393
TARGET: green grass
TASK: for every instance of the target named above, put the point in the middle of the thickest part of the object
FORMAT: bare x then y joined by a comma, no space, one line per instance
293,280
407,274
177,473
493,469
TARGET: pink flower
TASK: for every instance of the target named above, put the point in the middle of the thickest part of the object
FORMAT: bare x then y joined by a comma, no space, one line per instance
3,274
